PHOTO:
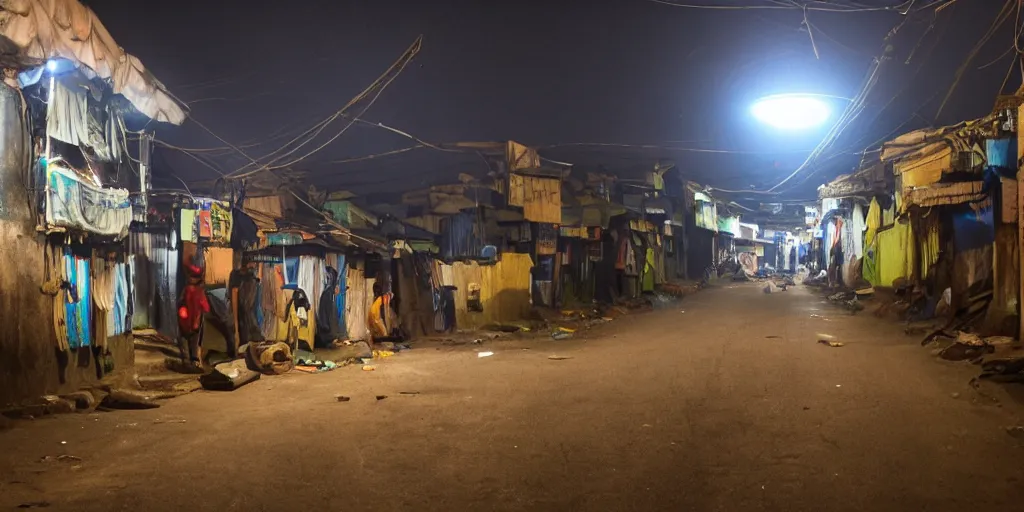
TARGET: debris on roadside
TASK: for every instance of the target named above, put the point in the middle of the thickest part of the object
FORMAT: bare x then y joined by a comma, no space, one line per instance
229,376
342,398
484,354
315,366
369,368
159,421
123,399
60,458
559,358
381,397
408,392
831,343
562,333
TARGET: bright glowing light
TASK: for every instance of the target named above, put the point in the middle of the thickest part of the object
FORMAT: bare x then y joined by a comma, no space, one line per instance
51,65
791,111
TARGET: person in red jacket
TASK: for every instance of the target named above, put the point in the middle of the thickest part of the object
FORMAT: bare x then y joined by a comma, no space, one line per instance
191,308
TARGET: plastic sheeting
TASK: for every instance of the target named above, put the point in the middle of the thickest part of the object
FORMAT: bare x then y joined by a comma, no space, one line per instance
42,29
75,204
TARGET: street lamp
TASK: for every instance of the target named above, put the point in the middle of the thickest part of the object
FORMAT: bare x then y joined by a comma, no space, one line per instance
793,111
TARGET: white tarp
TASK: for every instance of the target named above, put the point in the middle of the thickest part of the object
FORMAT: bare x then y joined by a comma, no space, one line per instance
78,205
46,29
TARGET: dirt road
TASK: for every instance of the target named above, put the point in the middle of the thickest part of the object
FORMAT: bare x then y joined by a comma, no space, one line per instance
723,402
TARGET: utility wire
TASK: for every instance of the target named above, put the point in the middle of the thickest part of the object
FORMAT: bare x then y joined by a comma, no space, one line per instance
374,88
1001,17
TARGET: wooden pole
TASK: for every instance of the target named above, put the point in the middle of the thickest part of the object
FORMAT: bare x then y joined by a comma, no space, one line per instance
1020,218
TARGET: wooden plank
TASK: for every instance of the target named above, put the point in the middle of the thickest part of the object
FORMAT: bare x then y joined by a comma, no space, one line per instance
1008,201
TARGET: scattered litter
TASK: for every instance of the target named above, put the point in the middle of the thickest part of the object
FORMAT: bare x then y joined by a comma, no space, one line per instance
35,504
484,354
773,337
381,397
382,354
1017,432
342,398
839,385
819,317
408,392
646,425
955,395
831,343
478,341
159,421
369,368
560,335
807,408
682,311
566,329
60,458
559,358
63,442
970,339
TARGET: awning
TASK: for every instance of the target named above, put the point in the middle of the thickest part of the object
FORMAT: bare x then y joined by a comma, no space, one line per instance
45,29
868,181
941,194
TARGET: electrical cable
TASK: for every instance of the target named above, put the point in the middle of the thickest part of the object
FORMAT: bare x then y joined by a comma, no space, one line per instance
377,86
1001,17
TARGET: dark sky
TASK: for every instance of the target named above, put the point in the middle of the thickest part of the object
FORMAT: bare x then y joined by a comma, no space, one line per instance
618,71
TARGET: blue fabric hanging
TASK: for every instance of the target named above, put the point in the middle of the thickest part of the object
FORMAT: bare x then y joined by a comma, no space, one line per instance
77,307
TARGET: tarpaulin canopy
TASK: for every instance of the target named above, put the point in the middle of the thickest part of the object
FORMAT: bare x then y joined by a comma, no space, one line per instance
46,29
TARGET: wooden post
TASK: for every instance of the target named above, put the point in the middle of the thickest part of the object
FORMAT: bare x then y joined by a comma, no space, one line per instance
1020,218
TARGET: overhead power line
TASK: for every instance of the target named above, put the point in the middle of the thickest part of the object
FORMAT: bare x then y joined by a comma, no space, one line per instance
372,92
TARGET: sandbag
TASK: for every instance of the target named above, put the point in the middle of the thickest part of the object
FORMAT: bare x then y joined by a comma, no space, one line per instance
271,358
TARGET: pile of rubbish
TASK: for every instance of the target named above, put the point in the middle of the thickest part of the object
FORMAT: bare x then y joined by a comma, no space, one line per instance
968,346
276,358
778,283
817,280
850,300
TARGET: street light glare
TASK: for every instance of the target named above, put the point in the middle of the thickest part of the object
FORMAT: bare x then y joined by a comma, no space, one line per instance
791,111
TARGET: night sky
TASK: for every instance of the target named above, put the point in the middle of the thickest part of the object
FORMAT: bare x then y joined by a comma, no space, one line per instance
618,71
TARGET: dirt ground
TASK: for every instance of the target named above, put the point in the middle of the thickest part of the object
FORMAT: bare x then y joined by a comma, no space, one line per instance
722,402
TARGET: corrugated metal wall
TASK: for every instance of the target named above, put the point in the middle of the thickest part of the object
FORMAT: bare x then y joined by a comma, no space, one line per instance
155,271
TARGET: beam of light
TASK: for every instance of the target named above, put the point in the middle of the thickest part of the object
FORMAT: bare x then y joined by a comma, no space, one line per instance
51,65
791,111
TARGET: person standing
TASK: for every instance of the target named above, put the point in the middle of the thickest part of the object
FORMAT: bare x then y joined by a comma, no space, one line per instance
192,307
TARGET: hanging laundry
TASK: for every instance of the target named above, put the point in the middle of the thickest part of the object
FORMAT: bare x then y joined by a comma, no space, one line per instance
78,305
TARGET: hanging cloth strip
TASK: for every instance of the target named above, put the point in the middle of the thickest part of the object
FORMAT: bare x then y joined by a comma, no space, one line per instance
102,296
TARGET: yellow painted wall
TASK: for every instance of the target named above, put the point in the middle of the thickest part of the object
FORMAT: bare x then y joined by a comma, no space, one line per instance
504,290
